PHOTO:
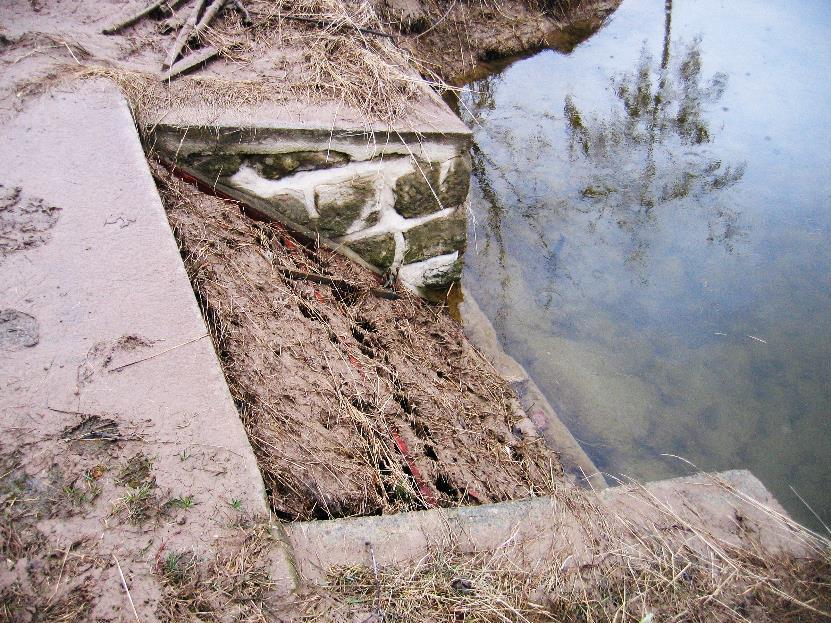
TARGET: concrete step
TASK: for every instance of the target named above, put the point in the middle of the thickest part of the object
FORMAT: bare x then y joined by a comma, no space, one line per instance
730,507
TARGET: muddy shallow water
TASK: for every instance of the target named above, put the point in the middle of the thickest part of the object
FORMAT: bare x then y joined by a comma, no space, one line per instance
651,237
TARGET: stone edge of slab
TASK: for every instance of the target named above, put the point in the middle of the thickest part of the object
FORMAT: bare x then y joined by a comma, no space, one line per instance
398,539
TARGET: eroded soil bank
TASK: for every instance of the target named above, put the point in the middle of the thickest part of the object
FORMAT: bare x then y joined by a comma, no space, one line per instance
454,39
355,403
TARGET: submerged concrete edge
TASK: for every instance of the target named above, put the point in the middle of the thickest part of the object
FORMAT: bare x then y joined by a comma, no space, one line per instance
576,463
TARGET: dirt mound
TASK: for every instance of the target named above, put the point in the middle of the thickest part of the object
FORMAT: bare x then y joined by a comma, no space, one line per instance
355,404
454,39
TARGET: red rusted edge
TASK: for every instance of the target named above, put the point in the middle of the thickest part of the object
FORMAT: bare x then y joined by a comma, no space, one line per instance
247,209
426,492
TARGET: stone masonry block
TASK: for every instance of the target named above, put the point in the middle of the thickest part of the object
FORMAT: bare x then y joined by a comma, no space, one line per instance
340,205
456,184
437,237
377,250
413,194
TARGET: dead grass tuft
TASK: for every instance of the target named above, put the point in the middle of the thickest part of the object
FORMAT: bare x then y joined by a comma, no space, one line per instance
141,501
234,583
651,565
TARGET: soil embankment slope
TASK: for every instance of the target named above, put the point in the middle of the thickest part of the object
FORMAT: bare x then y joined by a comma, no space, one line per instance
354,403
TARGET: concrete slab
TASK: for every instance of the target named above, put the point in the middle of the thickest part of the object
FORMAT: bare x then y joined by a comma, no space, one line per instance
428,115
731,506
108,287
99,320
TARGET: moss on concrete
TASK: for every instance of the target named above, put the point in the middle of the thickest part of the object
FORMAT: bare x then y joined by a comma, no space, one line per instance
415,192
377,250
437,237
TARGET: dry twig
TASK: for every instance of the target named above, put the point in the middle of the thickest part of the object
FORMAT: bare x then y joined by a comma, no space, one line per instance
184,34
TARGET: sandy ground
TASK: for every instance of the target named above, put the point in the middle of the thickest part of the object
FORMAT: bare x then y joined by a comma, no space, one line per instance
356,63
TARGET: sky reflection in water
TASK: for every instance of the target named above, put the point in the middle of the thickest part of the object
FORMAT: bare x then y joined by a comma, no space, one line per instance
651,237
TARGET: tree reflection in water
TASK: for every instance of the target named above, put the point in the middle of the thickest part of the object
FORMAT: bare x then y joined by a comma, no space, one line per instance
651,151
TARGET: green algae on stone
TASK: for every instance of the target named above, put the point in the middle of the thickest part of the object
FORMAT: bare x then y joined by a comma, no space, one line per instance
276,166
371,219
270,166
213,166
415,193
437,237
377,250
442,277
595,192
291,207
456,184
340,205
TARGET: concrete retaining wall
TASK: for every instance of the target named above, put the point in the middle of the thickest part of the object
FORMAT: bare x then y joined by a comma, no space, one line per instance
395,200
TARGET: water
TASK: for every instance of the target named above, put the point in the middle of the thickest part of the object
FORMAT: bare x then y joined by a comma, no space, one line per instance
661,264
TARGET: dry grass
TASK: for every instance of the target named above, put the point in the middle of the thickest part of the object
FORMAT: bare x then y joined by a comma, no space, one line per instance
341,61
233,585
330,59
655,564
331,383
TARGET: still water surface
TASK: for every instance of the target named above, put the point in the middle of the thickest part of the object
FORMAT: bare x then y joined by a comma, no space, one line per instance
652,237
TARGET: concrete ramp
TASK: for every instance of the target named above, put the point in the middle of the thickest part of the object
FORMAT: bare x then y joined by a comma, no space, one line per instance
102,284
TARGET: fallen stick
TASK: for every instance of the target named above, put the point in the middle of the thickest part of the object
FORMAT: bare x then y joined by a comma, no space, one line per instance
184,35
378,611
133,18
246,16
214,8
383,293
324,22
190,61
334,282
126,589
132,363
